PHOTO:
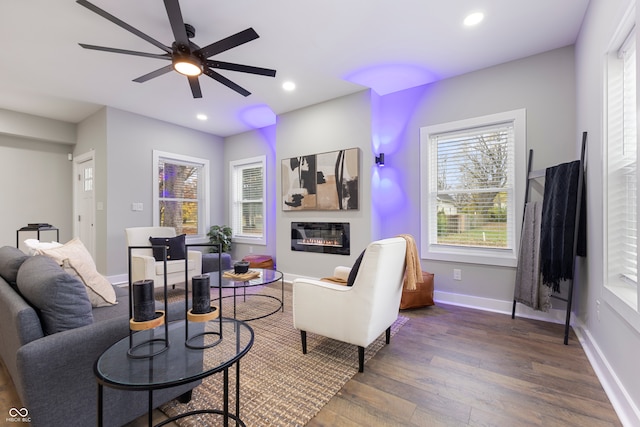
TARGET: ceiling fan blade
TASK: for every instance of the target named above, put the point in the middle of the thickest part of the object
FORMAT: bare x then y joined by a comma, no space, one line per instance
153,74
228,43
123,24
241,68
195,87
225,81
176,21
124,51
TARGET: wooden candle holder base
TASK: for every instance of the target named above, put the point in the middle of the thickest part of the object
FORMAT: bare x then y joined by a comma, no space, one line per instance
157,320
213,314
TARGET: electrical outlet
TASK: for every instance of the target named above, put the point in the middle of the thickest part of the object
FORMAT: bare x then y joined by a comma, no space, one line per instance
457,274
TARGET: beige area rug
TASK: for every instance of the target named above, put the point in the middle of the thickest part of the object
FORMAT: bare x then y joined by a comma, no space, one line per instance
279,386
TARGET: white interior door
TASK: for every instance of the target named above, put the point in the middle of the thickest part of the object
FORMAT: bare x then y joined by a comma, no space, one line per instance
84,183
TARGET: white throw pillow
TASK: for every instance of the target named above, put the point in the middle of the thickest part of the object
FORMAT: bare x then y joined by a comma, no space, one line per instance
35,246
74,255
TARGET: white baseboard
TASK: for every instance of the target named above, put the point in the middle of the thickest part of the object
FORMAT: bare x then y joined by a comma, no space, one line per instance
623,404
499,306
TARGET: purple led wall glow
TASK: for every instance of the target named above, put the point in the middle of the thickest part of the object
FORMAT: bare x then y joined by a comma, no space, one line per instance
269,135
389,78
387,193
258,116
390,116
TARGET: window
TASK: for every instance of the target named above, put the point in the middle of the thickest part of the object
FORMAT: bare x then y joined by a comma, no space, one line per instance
622,178
469,208
181,193
248,212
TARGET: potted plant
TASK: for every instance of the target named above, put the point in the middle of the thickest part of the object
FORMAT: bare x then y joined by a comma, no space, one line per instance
220,234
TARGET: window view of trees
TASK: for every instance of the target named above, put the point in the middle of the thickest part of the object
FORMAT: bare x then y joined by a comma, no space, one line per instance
178,198
472,189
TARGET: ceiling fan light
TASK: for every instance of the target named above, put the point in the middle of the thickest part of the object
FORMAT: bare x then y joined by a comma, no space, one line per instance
187,66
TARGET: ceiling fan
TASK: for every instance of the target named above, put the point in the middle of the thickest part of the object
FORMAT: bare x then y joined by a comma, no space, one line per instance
186,57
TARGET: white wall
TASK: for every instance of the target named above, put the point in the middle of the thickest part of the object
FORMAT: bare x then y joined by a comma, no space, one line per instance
333,125
612,343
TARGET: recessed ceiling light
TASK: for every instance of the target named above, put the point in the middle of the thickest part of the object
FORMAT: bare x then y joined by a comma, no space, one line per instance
473,19
202,117
288,86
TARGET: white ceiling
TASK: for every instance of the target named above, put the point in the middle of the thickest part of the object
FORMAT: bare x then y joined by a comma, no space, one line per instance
317,44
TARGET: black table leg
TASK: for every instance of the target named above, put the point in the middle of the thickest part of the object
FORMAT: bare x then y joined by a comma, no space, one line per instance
234,302
150,413
225,381
237,392
100,404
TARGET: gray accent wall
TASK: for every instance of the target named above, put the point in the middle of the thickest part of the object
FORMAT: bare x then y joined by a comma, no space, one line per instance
333,125
36,175
124,144
261,142
92,137
543,85
609,328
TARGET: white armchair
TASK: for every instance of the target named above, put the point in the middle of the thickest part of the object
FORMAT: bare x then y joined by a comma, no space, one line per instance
144,265
355,314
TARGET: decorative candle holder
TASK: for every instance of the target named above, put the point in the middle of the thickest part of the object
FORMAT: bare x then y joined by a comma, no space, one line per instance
200,298
143,314
144,306
201,309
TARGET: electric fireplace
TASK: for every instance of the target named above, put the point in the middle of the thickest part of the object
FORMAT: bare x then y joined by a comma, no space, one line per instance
321,237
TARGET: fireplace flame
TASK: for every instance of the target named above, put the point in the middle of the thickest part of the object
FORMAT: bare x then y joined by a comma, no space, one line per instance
320,242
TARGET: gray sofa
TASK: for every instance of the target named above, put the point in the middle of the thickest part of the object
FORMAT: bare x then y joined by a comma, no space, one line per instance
50,354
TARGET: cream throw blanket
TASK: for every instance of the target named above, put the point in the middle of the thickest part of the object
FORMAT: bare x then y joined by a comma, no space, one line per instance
413,272
529,289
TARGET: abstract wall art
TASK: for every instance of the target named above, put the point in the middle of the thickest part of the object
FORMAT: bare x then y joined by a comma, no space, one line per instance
325,181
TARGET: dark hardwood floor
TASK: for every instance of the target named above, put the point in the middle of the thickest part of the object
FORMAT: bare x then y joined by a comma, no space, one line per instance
455,366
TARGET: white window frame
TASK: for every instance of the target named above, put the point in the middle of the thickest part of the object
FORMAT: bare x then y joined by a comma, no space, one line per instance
203,192
235,166
429,247
618,292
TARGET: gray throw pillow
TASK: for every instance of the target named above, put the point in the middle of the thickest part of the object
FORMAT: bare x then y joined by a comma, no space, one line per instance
60,299
354,270
10,261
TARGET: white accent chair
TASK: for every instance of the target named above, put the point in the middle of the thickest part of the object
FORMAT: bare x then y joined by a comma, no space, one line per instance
355,314
144,265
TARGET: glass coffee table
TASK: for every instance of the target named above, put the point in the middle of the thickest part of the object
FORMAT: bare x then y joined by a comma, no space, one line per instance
265,277
178,364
